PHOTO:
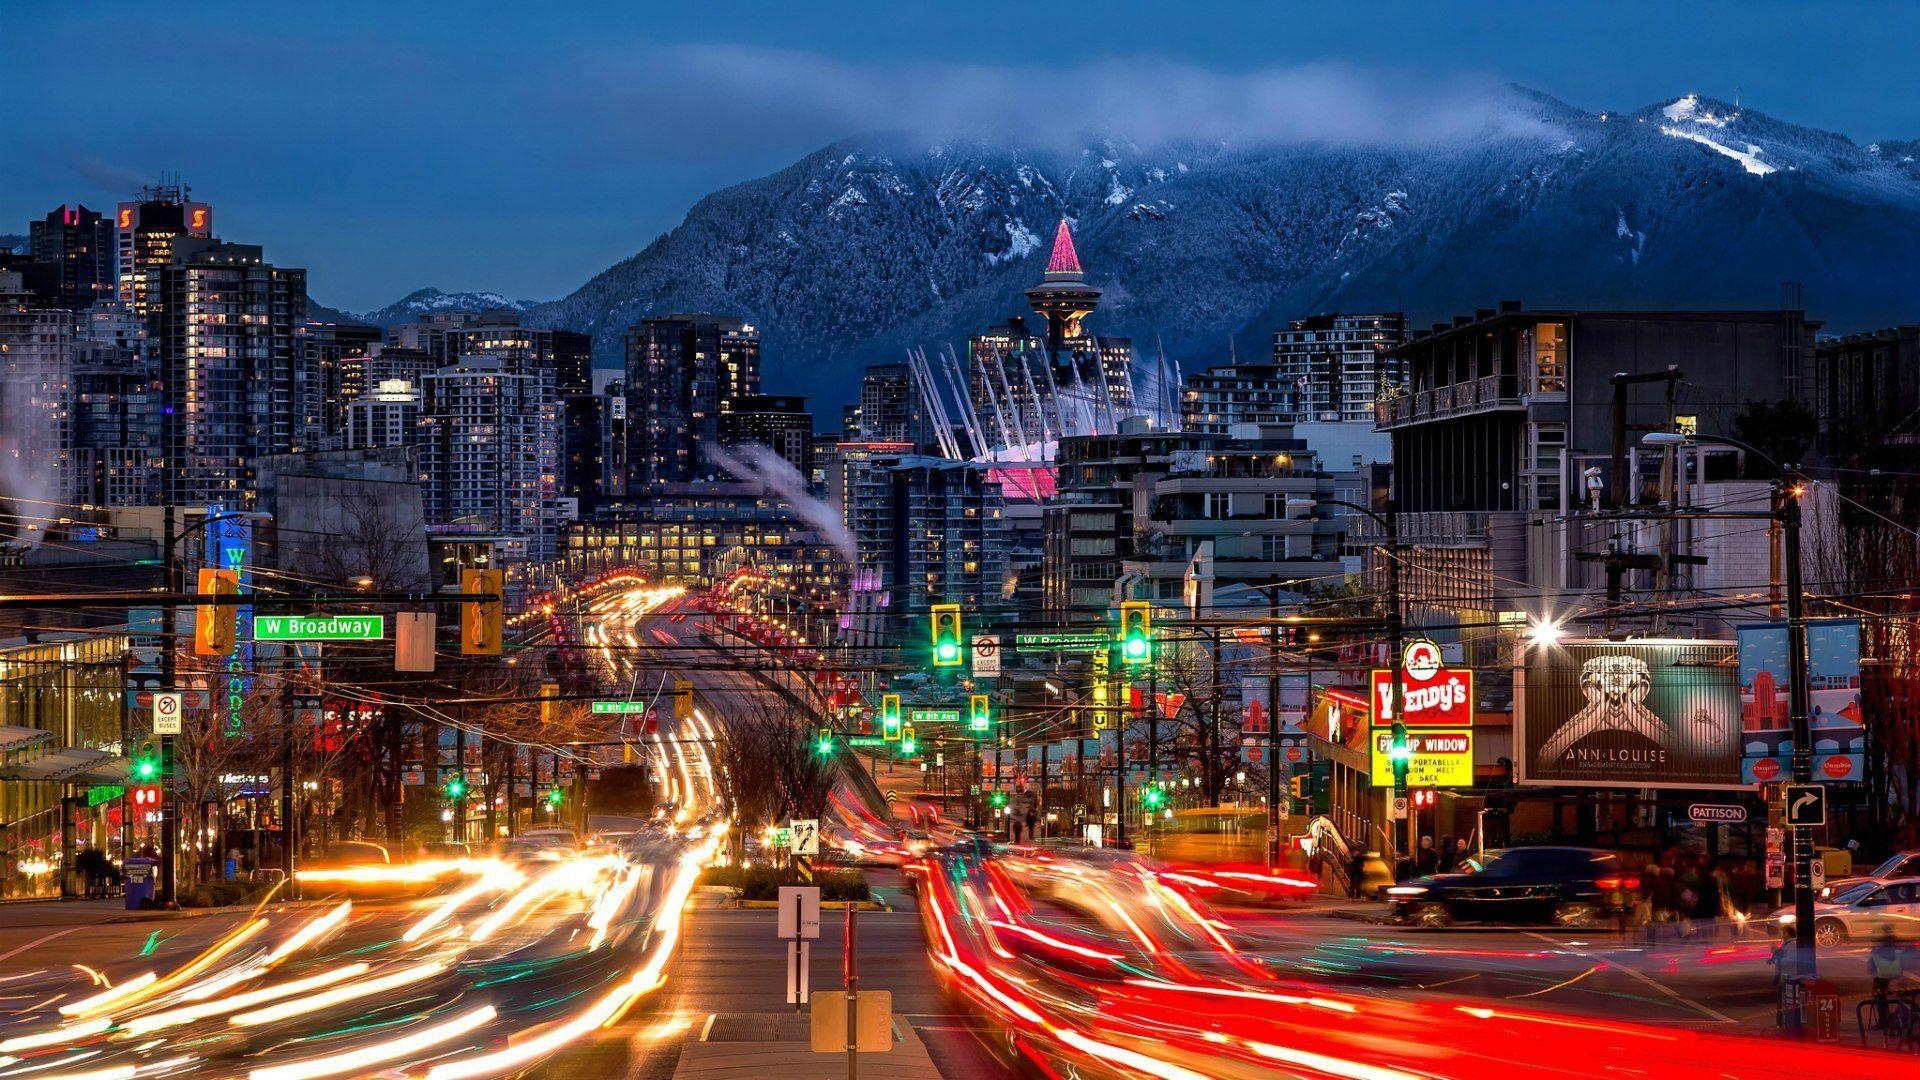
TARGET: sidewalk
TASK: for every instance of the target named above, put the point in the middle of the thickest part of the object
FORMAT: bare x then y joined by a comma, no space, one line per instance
762,1045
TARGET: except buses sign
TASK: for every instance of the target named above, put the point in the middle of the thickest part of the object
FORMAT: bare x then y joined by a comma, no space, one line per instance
319,627
1436,696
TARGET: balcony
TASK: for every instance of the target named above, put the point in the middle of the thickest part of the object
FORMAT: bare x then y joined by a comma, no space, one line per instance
1456,399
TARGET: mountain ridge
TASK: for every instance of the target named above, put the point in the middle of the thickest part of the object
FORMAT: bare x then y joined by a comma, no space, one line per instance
875,244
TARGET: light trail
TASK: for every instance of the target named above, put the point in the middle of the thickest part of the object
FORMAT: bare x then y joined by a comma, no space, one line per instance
353,992
380,1053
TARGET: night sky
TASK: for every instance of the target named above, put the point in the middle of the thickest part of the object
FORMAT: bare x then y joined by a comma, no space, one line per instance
524,147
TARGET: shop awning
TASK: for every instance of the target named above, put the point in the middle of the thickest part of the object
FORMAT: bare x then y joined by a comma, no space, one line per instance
114,770
14,737
66,763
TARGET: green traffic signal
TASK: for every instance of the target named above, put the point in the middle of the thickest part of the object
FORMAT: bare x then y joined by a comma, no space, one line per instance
946,635
555,797
823,743
456,788
1136,632
146,769
1399,751
999,799
1152,796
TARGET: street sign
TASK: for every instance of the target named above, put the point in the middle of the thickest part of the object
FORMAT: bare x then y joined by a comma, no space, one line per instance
620,706
1716,814
934,716
986,656
1806,804
1399,808
319,627
1065,640
867,742
166,713
799,912
872,1022
806,837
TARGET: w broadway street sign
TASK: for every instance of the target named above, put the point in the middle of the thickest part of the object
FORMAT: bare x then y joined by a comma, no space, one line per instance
319,627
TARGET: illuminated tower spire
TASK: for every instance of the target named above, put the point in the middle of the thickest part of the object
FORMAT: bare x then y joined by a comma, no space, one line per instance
1063,297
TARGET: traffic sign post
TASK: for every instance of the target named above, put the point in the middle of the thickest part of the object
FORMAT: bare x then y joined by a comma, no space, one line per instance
986,656
806,836
1806,805
166,713
799,924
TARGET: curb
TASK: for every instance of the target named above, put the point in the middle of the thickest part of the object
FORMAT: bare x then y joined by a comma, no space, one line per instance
825,905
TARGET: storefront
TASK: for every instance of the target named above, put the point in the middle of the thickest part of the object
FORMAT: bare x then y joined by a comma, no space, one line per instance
63,715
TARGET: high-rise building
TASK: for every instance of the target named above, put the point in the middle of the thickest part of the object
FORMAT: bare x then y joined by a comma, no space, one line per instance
489,453
1216,399
145,231
947,532
79,244
37,474
119,410
1335,364
777,422
335,362
387,415
891,408
593,448
225,329
568,354
681,369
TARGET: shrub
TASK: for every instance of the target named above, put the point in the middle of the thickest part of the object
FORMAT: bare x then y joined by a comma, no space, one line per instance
764,882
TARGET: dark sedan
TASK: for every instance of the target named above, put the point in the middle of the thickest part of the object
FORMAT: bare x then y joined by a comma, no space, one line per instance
1563,886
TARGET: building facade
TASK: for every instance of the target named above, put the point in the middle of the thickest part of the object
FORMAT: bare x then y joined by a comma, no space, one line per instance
681,369
1335,364
489,453
144,234
779,422
78,243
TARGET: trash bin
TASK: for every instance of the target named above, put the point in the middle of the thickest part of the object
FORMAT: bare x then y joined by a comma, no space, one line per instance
139,873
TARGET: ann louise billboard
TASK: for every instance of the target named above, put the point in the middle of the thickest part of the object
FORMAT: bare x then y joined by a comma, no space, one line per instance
1631,714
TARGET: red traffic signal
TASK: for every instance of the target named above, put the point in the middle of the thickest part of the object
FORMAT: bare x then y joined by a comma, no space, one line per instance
1424,798
146,797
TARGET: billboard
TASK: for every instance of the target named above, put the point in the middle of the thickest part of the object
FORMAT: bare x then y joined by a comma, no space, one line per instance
1833,674
1631,714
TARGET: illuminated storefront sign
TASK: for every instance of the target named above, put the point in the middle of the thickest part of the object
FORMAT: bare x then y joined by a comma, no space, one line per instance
1440,758
1435,695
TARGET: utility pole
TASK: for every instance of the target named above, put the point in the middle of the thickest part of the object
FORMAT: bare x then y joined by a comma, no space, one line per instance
1786,502
169,673
1273,725
1396,657
1119,715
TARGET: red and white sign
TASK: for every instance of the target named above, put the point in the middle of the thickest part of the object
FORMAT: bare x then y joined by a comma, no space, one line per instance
1435,695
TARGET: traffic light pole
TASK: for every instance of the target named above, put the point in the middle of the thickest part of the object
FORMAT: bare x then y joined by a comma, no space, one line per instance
169,627
1273,726
1396,658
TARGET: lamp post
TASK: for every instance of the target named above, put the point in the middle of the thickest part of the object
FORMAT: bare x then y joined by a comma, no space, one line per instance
1390,525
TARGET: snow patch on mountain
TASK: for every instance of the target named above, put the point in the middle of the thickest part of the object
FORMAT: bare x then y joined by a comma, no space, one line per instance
1688,110
1749,158
1636,239
1022,242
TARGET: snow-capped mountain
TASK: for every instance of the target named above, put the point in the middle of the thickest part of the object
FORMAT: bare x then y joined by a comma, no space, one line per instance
867,247
427,301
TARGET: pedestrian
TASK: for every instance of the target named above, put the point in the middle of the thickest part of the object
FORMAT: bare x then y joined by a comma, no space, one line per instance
1426,859
1462,856
1445,865
1688,878
1356,872
1707,907
1885,963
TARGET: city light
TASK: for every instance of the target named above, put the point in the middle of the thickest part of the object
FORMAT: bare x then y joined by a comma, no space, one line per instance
1543,633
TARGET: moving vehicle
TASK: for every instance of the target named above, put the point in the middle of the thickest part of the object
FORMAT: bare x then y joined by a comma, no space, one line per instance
1864,910
1564,886
1902,864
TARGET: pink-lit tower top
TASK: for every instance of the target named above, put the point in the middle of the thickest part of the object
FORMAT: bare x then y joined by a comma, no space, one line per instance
1063,296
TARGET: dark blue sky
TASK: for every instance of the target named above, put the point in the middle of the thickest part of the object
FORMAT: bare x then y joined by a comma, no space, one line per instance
523,147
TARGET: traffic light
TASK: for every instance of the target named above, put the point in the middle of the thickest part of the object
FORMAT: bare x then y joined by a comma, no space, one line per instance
146,797
823,742
1152,797
946,635
481,621
456,787
1136,632
908,744
1424,798
555,797
1400,754
214,624
1301,785
999,800
979,714
147,762
890,716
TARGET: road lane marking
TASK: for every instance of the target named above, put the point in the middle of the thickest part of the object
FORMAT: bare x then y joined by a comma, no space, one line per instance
1676,995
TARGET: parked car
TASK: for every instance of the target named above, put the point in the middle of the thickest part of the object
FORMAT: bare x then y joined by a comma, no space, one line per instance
1904,864
1864,910
1565,886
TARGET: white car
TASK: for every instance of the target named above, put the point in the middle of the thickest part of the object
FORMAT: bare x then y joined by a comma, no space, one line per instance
1864,911
1902,864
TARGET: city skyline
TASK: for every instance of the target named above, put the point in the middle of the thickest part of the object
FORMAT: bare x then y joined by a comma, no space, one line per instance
351,151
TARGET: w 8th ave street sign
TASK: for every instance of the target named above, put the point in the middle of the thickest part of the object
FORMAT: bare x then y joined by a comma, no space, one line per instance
319,627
